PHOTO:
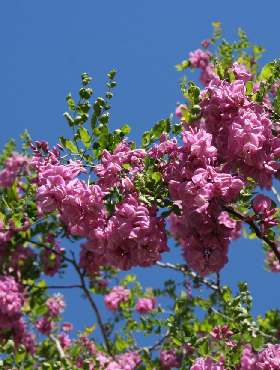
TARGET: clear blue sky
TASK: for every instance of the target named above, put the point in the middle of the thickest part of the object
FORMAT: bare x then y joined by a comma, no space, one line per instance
46,45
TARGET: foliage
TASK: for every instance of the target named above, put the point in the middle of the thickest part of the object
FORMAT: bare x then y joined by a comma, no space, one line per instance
197,178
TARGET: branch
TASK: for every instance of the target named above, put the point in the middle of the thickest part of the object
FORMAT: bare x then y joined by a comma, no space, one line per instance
159,343
186,271
84,288
59,253
53,286
271,243
63,286
94,307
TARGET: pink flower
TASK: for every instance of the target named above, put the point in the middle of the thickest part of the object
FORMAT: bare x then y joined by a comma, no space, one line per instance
111,168
64,340
272,262
135,236
205,43
268,358
179,110
169,359
241,72
261,203
11,300
145,305
45,325
28,340
67,326
128,361
199,58
55,305
117,295
207,364
15,165
265,215
223,333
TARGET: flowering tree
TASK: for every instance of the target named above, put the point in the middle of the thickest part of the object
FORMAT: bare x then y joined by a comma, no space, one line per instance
197,179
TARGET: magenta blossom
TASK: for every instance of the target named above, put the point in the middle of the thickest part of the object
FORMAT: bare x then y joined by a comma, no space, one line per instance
145,305
117,295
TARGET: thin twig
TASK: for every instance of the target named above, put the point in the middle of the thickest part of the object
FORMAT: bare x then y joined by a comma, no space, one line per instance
186,271
271,243
218,281
51,249
54,286
157,344
268,336
94,306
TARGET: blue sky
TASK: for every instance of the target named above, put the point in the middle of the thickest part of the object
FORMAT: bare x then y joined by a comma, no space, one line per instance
46,45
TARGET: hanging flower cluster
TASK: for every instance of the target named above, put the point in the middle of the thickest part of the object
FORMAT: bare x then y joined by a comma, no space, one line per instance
132,236
268,358
14,166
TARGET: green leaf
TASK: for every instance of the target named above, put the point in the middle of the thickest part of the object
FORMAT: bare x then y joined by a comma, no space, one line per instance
70,102
156,176
267,72
71,146
249,87
146,139
84,136
85,79
125,129
85,92
69,119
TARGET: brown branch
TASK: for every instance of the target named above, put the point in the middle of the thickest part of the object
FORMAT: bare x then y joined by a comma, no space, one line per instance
94,307
271,243
186,271
54,286
51,249
84,288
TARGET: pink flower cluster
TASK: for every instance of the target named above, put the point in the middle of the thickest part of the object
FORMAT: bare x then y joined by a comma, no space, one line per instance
11,318
242,131
169,359
264,213
223,333
207,364
124,361
240,72
65,340
271,261
266,359
11,302
133,235
80,205
120,167
200,188
234,139
55,306
15,165
116,296
201,59
145,305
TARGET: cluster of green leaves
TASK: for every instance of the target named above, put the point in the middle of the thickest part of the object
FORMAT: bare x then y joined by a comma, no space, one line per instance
89,120
179,319
150,185
161,127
